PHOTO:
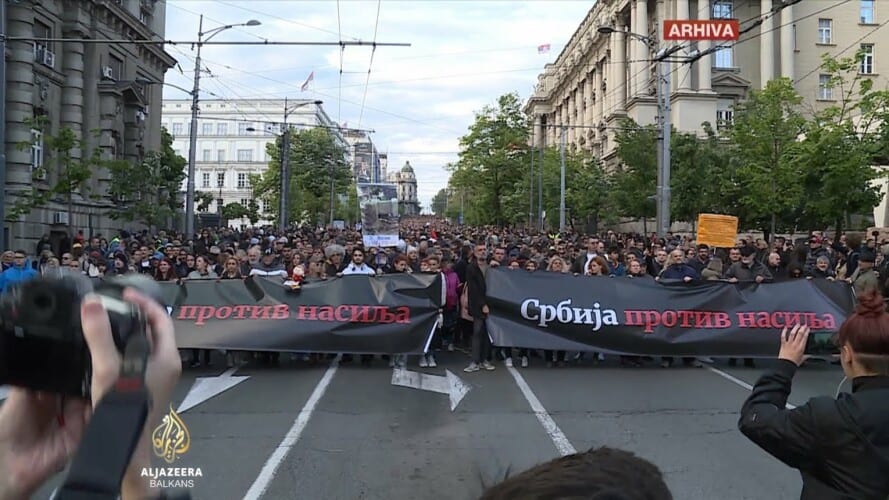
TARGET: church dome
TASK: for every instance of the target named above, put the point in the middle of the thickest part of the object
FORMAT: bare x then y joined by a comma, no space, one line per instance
407,168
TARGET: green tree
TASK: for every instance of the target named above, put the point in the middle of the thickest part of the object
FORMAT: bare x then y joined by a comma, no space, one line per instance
840,146
72,173
234,210
148,192
699,182
765,139
315,161
634,182
492,160
203,200
440,202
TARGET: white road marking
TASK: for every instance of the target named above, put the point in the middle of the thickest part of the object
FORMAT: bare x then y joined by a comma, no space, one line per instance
450,384
205,388
261,484
738,381
549,425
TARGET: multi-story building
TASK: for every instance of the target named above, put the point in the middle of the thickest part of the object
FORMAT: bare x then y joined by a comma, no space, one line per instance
366,160
600,79
232,141
405,181
96,89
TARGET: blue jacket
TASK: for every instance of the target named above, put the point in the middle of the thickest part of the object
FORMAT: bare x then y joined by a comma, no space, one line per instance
15,275
679,272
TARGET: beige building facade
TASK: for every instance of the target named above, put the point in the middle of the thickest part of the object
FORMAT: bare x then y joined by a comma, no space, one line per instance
59,68
600,79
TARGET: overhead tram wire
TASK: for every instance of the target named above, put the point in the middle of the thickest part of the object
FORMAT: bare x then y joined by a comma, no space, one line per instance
773,12
291,21
370,65
221,23
856,42
339,99
382,111
127,41
213,78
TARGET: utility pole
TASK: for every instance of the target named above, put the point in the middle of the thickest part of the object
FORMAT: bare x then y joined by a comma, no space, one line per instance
283,199
562,139
3,241
531,191
659,193
193,129
667,123
540,188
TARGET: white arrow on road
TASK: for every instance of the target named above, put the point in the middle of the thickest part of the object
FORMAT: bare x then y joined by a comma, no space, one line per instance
450,384
205,388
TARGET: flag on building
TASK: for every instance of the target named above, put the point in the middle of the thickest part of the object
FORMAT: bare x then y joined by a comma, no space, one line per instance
309,80
543,49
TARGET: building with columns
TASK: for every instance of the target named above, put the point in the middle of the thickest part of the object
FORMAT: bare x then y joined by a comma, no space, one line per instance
95,89
600,79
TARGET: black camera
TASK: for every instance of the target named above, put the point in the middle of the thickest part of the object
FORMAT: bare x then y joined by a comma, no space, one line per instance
41,338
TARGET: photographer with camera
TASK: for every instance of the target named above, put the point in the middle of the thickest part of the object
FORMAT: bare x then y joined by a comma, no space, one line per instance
40,431
840,445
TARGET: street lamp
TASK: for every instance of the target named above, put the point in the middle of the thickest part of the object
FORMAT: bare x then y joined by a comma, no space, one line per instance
193,131
663,193
284,197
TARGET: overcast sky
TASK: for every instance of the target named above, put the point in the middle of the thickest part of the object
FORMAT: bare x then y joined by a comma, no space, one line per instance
419,100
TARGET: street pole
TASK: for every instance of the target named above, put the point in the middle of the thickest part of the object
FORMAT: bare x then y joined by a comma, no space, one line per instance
193,138
667,129
540,189
531,191
3,241
284,202
330,220
562,180
283,199
659,193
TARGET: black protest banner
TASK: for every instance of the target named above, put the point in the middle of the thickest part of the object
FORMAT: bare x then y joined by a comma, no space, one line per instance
351,314
641,316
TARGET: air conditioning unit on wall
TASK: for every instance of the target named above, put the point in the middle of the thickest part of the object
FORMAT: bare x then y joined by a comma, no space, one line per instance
49,58
107,73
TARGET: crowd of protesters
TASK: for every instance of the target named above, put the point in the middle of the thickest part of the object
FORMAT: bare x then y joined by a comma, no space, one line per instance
462,254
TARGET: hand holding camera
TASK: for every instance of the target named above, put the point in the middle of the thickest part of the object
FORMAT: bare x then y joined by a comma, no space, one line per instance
61,350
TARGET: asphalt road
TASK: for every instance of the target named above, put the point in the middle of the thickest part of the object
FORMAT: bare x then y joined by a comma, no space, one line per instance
344,432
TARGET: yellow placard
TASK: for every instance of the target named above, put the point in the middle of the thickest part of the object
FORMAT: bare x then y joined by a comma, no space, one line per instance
171,438
719,231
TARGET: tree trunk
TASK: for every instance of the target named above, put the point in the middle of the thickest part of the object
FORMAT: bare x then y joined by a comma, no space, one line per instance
645,227
772,228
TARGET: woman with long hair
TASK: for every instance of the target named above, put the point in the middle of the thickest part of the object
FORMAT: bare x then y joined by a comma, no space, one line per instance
840,445
165,271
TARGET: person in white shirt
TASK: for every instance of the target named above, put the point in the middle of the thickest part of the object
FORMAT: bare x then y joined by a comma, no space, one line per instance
357,265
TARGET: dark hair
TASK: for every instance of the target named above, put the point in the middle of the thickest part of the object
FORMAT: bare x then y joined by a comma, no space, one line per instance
867,332
603,473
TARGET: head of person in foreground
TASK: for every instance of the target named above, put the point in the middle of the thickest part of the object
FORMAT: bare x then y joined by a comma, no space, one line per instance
598,474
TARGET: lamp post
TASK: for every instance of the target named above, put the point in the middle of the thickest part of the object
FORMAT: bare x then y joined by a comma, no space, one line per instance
284,184
193,130
663,193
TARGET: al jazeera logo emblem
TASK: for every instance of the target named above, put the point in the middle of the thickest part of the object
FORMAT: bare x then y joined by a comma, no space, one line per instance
170,441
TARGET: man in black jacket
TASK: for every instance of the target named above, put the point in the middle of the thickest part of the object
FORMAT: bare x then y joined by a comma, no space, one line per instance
478,309
840,446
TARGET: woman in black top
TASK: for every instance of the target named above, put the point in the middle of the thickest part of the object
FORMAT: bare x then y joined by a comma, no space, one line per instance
840,445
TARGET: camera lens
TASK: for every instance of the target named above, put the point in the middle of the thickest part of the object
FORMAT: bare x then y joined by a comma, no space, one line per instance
43,305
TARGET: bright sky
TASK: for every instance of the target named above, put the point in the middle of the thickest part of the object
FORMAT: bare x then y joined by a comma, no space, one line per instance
419,100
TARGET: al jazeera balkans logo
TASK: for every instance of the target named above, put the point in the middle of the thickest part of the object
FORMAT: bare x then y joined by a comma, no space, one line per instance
170,441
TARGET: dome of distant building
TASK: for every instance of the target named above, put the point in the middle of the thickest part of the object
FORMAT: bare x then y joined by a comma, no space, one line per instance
407,168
